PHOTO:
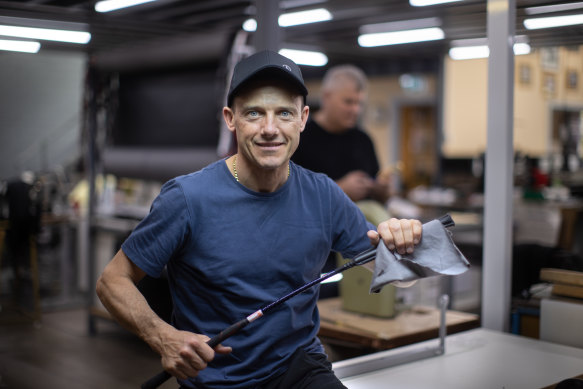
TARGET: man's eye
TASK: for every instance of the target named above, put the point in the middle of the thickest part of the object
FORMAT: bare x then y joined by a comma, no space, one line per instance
285,114
253,113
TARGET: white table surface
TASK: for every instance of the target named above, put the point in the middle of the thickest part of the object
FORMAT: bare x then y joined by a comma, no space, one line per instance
478,358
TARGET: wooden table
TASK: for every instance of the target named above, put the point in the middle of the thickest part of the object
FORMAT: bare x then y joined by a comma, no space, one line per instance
416,324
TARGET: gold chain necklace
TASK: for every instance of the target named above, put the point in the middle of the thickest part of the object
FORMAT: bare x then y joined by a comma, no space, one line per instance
235,168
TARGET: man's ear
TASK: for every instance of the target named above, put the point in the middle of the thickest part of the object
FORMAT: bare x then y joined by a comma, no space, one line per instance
305,115
229,117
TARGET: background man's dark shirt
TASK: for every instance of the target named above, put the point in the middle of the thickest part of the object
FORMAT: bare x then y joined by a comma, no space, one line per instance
336,154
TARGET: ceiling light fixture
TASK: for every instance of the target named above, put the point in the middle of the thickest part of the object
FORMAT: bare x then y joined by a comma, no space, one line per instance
20,46
413,24
400,37
425,3
521,48
250,25
553,8
113,5
304,17
553,21
46,34
469,52
304,57
293,19
463,49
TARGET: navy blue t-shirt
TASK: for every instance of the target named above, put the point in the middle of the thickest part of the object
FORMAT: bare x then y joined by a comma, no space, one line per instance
230,251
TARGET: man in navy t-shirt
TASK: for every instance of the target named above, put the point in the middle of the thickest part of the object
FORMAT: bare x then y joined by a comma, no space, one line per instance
239,234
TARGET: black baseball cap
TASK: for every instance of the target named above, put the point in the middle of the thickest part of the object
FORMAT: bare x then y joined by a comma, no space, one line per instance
265,63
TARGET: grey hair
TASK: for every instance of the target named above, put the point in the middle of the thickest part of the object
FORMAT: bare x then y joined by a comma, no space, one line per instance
341,73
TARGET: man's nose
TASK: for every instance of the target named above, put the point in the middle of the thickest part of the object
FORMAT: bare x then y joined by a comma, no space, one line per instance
270,125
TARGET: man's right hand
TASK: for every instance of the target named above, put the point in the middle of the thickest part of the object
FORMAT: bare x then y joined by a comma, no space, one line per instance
184,354
356,184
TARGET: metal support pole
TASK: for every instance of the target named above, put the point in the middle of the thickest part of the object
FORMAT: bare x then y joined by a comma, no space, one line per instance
497,263
268,34
91,157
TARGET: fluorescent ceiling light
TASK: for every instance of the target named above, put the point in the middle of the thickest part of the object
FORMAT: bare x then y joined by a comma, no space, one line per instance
303,57
46,34
477,48
304,17
400,37
250,25
521,48
112,5
553,21
424,3
469,52
20,46
293,19
553,8
400,25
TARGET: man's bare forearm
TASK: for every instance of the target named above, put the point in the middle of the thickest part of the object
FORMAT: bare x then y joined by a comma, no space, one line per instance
117,291
183,354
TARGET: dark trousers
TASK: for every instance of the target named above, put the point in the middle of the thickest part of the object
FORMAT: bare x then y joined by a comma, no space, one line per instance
305,371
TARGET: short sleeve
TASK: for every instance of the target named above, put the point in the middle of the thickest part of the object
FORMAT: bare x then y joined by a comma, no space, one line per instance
162,233
350,226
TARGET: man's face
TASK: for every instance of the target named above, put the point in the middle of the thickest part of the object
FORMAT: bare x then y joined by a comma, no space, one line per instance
343,104
267,121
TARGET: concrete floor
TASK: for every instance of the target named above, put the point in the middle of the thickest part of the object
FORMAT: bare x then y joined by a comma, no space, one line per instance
59,353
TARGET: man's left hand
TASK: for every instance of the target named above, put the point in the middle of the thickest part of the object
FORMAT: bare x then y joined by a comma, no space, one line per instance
397,234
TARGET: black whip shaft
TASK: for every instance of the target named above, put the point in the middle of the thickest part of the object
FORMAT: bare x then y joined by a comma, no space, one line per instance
361,259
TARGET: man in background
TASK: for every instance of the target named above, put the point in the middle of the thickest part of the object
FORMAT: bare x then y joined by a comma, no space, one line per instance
333,143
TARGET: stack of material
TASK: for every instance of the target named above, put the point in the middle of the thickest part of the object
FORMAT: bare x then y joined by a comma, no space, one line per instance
565,282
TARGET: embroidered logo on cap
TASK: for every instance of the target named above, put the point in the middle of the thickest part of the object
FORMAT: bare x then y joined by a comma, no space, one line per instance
286,67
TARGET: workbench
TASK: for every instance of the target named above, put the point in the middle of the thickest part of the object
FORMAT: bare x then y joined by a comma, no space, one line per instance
414,324
478,358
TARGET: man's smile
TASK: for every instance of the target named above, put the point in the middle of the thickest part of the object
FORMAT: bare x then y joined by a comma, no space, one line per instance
270,145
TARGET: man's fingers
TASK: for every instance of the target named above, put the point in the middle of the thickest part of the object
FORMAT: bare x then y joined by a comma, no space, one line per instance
386,235
407,229
193,357
417,231
374,237
202,349
400,234
182,368
186,370
223,349
192,360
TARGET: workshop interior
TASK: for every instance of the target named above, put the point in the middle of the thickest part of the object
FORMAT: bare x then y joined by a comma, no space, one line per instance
480,120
